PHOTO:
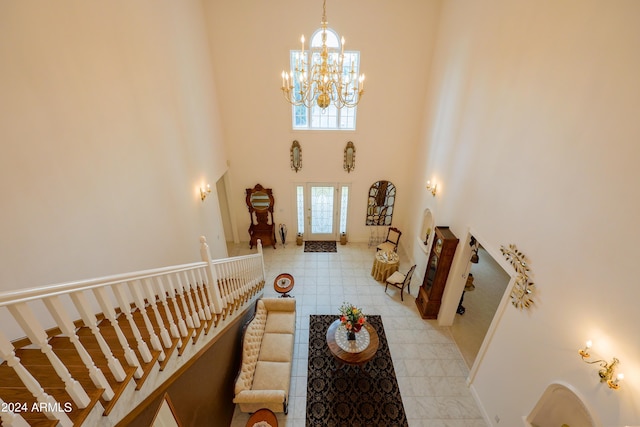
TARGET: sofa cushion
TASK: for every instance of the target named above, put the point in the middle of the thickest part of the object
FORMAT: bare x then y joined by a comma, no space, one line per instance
272,376
276,348
282,322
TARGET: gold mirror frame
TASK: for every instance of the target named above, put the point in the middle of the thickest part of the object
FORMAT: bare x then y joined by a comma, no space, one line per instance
349,157
296,156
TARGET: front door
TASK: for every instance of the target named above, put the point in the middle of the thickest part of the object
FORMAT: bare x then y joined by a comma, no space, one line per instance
321,212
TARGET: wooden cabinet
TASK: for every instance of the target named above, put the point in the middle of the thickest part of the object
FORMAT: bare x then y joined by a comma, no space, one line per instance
260,204
435,278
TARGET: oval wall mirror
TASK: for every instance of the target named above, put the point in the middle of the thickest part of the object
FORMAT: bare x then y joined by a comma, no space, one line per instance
382,197
427,226
260,201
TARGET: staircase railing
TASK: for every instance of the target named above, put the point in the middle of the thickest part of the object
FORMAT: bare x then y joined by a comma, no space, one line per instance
110,331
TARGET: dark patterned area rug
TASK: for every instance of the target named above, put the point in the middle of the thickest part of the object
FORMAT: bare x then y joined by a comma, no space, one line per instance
319,246
351,396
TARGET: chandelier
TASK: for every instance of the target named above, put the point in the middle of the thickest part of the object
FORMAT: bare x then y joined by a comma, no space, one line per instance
323,79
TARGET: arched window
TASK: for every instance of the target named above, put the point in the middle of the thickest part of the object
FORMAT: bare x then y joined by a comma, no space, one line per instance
331,118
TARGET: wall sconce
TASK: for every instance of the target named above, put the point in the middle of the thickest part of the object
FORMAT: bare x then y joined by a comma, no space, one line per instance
204,192
432,188
608,369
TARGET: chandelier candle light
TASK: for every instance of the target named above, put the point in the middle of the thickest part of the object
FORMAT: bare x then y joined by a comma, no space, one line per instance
323,79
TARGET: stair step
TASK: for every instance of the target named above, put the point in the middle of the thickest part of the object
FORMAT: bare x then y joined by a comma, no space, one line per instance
64,346
34,359
22,395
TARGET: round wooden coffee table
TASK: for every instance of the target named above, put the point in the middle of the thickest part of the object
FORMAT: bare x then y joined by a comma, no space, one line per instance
344,357
283,284
263,416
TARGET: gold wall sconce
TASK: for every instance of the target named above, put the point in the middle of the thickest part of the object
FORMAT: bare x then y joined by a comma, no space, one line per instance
607,372
204,192
433,188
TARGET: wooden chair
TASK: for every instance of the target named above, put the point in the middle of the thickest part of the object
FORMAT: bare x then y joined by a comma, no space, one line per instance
391,243
400,280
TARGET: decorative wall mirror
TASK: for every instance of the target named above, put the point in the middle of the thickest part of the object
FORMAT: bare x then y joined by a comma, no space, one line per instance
382,197
296,156
349,157
260,201
427,227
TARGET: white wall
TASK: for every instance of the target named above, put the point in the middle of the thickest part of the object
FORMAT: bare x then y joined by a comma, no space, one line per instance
108,125
109,122
531,131
251,43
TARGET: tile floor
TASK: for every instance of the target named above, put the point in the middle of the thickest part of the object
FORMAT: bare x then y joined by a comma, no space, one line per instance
430,370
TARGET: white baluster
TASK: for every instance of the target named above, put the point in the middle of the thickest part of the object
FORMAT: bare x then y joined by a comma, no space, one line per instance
185,291
202,286
264,274
48,402
67,327
193,282
245,280
125,307
11,419
215,297
182,325
236,283
36,333
151,297
255,274
222,284
89,319
110,313
162,295
138,299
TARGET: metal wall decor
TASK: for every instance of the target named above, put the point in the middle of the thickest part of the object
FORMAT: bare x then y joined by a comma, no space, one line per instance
296,156
349,157
523,288
382,197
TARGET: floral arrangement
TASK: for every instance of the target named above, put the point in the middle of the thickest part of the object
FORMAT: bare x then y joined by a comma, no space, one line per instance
352,317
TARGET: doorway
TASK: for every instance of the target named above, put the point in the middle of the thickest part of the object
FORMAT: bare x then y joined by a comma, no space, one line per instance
322,210
480,301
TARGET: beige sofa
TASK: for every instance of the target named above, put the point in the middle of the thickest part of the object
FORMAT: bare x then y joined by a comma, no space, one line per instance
267,357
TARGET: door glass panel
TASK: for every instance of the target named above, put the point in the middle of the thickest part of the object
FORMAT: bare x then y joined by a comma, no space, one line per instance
344,201
300,207
322,209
